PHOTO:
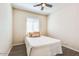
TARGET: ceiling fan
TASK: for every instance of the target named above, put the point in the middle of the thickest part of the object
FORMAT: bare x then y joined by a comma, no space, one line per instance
43,5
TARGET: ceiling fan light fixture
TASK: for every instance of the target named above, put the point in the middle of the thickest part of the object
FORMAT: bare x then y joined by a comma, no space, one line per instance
43,5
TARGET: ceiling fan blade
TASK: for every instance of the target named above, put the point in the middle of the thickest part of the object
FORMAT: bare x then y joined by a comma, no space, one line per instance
42,8
37,5
48,5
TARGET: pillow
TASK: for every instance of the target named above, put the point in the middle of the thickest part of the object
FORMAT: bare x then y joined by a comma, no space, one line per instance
34,34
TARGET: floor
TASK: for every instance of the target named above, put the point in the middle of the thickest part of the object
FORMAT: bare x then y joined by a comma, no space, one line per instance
20,50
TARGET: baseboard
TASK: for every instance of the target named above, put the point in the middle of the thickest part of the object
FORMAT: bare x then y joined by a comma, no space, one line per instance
18,44
9,50
70,48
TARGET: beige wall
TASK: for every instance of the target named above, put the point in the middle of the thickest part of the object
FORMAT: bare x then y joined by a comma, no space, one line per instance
19,24
64,25
5,28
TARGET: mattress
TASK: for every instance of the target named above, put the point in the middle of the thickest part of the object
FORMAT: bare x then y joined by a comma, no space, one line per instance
42,46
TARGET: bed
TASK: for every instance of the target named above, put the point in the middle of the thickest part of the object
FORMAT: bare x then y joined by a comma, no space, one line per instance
42,46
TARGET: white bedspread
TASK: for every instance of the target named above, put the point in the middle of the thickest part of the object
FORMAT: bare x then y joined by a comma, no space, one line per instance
42,46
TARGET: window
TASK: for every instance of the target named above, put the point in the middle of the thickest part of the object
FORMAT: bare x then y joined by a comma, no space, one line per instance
32,24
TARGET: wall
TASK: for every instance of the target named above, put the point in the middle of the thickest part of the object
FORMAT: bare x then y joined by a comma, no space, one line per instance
19,24
64,25
5,28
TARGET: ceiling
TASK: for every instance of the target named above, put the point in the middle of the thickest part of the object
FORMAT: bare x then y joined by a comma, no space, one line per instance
46,11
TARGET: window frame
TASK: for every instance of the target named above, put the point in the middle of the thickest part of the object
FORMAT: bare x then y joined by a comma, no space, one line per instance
33,18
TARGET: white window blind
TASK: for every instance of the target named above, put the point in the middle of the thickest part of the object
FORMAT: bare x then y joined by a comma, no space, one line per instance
32,24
